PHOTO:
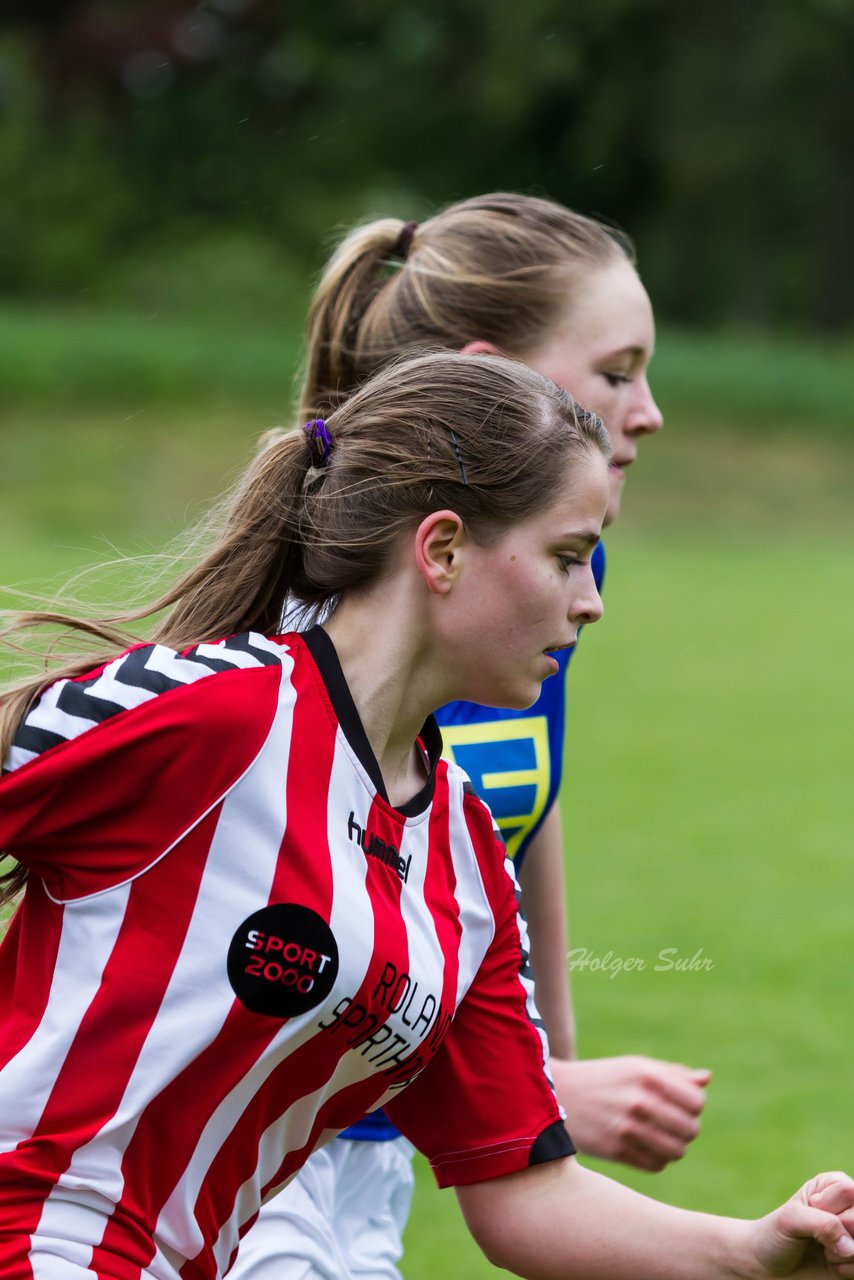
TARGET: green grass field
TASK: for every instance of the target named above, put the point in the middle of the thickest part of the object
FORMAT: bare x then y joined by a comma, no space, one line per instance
708,800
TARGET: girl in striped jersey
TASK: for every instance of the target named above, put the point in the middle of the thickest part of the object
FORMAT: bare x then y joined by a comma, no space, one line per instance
525,277
258,903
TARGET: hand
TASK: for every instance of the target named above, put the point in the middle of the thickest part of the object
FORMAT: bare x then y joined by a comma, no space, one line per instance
812,1234
636,1110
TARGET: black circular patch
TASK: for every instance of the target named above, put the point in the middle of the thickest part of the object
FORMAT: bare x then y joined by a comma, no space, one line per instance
283,960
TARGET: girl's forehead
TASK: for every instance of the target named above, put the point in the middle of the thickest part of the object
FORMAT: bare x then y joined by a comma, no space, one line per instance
608,312
577,507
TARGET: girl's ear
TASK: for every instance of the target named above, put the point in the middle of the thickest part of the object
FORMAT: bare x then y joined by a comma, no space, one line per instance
440,542
480,348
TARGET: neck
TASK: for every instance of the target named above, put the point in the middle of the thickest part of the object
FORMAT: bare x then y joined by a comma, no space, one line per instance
387,674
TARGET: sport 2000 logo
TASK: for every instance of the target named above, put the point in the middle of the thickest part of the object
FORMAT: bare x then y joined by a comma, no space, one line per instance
283,960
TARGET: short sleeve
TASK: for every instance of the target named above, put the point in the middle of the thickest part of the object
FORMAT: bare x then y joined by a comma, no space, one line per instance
485,1106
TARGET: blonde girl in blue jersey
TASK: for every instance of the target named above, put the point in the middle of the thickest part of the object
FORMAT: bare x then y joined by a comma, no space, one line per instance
527,278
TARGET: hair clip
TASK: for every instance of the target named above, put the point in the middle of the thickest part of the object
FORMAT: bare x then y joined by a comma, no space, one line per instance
458,451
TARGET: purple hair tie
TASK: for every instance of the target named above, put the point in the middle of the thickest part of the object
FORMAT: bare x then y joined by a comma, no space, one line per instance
319,441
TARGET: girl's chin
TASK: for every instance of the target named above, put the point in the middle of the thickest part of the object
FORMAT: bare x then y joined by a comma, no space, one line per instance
613,510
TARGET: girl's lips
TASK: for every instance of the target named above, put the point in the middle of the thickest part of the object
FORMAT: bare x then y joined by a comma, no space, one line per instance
548,654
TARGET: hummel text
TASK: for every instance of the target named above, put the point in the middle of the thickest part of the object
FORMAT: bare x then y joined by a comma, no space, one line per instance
374,847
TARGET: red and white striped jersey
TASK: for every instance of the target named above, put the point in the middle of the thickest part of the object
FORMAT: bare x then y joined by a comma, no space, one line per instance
231,946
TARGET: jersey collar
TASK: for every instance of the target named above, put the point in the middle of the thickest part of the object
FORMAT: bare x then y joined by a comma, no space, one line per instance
325,658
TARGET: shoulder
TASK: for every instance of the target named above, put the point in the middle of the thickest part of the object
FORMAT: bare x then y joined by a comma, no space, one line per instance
150,677
481,827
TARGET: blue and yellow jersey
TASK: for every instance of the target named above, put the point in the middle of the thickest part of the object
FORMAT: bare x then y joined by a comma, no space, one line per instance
515,762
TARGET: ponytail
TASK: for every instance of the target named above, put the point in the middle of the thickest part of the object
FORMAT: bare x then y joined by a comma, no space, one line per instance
359,268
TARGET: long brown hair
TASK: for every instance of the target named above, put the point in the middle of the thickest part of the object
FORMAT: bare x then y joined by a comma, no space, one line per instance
500,268
482,435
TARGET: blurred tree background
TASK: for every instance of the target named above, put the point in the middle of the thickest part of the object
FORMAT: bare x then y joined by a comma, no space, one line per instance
172,174
149,149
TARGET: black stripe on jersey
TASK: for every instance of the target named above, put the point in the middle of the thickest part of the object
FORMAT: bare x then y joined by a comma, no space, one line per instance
430,738
29,738
133,671
214,665
75,701
243,643
553,1144
525,970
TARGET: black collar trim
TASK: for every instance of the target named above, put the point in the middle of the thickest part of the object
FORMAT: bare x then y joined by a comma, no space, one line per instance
323,652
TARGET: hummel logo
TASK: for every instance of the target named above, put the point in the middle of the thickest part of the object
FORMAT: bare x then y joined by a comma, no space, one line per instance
374,847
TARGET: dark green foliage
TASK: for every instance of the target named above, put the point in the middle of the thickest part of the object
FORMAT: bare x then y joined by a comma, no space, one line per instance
718,132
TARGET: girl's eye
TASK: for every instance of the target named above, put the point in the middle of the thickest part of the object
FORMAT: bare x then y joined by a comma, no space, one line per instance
615,379
566,562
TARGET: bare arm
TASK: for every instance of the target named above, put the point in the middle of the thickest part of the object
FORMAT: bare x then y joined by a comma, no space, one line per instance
637,1110
559,1221
543,885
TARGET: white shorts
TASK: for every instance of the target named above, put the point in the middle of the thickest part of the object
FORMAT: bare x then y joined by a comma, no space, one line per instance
343,1215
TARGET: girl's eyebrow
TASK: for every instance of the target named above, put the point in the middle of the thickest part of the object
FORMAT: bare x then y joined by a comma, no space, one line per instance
633,351
586,536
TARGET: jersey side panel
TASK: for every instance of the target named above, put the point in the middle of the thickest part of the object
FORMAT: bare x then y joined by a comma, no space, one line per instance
481,1107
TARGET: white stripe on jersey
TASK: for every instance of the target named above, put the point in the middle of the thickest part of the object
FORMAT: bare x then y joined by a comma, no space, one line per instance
59,1242
470,887
425,949
110,688
47,715
17,757
173,666
467,891
85,944
239,658
349,881
293,1128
